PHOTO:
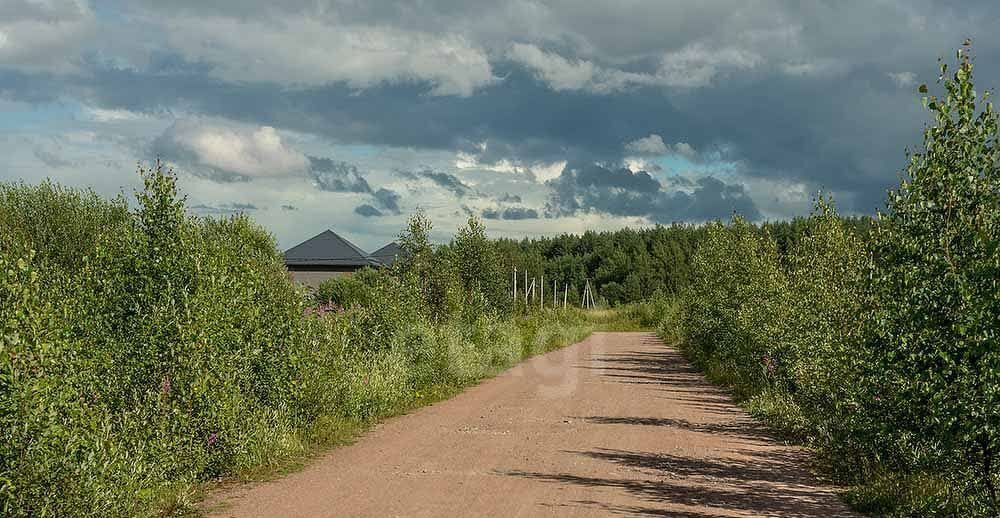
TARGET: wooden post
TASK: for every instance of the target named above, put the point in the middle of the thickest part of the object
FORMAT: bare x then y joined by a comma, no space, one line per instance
541,294
515,285
565,294
554,292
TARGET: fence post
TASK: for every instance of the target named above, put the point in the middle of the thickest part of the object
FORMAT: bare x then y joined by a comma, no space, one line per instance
525,286
515,285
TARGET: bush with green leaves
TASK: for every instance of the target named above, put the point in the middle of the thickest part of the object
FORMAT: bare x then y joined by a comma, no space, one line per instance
344,291
938,268
877,345
143,351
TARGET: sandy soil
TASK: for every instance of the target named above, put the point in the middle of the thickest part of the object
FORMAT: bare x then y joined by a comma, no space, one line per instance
618,424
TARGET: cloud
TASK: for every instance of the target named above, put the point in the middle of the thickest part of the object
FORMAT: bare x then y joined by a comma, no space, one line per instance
387,199
512,213
51,159
367,211
716,75
692,66
299,49
44,36
509,198
289,208
223,209
229,151
618,191
447,181
903,79
336,176
698,64
558,72
651,145
818,68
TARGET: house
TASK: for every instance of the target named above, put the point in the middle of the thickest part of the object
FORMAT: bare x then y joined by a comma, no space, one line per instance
387,254
325,256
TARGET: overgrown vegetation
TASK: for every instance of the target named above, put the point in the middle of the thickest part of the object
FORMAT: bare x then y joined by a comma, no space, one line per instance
878,347
144,351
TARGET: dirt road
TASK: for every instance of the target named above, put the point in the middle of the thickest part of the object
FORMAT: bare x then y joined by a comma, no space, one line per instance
616,425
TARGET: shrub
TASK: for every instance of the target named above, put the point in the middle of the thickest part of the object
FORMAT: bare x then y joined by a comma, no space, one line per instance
876,345
938,263
343,291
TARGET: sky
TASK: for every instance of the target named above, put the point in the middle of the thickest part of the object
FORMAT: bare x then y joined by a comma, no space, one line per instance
540,117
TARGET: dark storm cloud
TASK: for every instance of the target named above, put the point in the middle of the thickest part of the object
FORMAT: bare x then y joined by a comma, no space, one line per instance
509,198
784,133
387,199
510,213
224,209
589,188
814,93
336,176
446,181
367,211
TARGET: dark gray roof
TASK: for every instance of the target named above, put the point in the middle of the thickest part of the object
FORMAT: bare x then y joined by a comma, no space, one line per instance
388,253
328,249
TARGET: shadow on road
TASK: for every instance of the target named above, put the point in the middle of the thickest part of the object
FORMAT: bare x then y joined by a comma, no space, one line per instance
750,473
770,484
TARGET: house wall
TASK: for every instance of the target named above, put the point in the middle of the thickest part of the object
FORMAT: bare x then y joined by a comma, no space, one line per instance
313,276
314,279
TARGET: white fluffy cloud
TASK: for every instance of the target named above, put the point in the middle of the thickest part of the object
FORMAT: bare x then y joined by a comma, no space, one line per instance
246,151
301,50
691,66
540,171
903,79
653,145
697,65
559,72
